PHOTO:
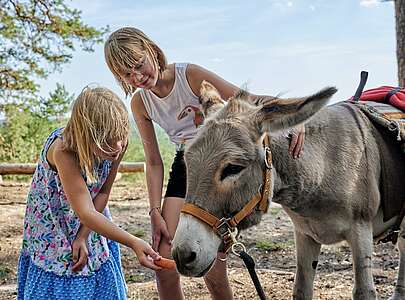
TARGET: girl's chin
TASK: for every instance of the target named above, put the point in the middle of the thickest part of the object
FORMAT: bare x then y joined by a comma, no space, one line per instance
148,84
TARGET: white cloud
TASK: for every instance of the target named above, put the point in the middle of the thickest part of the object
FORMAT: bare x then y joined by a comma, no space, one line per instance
290,4
369,3
312,7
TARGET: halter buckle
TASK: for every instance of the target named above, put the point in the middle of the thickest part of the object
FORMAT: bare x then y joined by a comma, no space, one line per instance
224,229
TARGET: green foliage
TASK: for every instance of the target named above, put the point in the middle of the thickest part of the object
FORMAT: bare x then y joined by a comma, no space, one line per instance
57,104
25,130
37,38
23,134
135,152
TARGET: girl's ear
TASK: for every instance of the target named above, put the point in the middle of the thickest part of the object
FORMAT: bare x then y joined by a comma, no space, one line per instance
282,114
210,99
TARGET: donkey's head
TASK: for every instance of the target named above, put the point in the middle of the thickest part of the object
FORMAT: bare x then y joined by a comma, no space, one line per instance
225,163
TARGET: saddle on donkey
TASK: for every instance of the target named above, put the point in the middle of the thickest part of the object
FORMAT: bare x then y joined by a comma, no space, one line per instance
385,108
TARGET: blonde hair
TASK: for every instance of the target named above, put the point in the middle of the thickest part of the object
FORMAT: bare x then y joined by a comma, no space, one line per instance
98,116
124,48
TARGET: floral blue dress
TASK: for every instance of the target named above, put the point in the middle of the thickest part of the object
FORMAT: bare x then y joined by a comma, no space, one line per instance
50,227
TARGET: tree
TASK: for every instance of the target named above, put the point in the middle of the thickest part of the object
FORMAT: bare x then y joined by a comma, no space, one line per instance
57,104
37,37
400,29
25,128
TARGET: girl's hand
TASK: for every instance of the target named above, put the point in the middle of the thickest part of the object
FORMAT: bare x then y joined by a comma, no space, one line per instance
117,161
159,229
79,253
297,141
146,255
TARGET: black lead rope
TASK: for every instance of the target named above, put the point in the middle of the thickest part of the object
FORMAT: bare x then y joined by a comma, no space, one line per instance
363,80
250,265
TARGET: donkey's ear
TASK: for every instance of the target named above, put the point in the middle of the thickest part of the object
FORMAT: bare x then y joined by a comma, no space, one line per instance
282,114
210,99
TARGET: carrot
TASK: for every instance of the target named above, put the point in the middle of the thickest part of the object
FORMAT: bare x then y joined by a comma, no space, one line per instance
165,263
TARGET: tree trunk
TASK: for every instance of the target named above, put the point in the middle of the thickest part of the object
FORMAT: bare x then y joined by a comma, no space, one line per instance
400,28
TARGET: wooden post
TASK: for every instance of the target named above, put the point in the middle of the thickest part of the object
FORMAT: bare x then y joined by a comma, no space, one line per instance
19,168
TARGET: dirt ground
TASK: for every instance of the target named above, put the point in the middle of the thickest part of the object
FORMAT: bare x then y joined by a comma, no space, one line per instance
271,244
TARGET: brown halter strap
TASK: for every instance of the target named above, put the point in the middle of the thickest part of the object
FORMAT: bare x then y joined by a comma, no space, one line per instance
226,226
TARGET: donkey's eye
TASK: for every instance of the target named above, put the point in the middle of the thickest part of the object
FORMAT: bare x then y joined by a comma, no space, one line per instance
231,169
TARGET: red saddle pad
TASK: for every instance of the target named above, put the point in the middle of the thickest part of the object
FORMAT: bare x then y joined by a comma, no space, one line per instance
388,94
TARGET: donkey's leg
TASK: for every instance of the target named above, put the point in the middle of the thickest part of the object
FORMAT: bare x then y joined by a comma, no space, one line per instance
361,242
307,259
399,293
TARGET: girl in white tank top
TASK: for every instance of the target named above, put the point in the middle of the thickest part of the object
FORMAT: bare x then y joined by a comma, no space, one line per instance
168,95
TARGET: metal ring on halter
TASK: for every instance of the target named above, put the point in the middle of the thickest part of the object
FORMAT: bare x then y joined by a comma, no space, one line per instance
238,244
266,152
223,259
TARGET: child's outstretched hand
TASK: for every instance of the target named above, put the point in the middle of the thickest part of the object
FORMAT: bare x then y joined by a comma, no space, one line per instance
79,253
146,255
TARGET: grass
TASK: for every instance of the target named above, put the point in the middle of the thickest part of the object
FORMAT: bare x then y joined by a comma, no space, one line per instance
273,246
140,233
4,271
274,211
133,278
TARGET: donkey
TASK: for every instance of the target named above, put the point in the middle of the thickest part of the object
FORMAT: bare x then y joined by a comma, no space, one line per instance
332,193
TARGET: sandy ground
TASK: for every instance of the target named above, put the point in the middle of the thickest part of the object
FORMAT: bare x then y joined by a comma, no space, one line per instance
271,244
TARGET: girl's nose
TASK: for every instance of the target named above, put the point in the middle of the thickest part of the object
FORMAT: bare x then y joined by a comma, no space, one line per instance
137,76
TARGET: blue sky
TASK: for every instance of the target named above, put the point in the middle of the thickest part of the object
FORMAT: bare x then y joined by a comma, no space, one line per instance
294,47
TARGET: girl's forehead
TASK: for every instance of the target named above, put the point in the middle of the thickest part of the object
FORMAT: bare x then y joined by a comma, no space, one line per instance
128,65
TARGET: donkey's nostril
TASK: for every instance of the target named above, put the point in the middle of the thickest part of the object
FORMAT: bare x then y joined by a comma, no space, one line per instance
184,256
191,257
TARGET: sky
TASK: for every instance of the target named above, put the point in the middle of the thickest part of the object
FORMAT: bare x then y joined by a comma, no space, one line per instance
292,47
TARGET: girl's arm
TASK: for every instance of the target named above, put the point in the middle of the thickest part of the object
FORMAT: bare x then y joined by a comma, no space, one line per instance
100,201
154,169
80,200
153,159
196,74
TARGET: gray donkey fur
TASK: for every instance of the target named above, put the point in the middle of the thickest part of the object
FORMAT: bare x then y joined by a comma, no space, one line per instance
331,193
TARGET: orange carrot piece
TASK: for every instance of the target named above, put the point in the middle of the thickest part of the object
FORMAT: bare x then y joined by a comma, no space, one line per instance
165,263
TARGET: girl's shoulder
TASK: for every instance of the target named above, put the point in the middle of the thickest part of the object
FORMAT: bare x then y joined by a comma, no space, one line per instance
54,150
138,107
195,74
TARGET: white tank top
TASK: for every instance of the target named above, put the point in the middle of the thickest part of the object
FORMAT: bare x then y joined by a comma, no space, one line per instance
180,112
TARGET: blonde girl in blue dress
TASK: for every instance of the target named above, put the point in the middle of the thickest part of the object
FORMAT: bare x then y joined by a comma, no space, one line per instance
70,248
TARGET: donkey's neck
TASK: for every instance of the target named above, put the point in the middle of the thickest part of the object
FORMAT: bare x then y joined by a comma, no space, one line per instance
296,180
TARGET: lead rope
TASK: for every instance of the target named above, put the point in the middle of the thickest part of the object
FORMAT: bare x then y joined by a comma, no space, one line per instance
249,263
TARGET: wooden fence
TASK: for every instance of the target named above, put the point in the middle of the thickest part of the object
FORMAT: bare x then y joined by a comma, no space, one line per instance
20,169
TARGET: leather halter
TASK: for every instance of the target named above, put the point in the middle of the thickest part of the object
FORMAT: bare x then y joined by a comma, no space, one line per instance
225,227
